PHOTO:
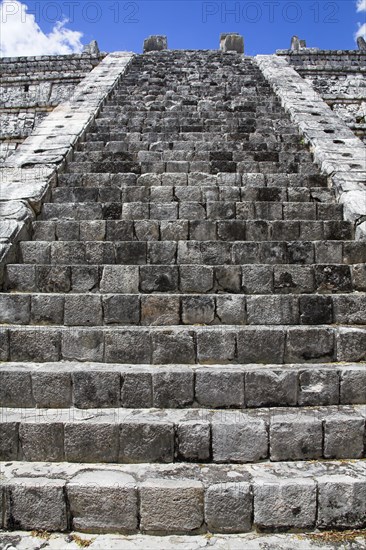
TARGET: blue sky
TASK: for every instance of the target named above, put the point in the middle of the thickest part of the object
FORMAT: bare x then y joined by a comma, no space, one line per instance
267,25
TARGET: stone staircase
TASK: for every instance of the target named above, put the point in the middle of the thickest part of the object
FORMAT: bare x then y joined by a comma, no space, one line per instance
182,342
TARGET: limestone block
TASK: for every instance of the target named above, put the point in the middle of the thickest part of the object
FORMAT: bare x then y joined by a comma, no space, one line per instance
231,42
146,441
238,437
36,503
103,501
155,43
171,505
284,503
229,507
341,502
295,437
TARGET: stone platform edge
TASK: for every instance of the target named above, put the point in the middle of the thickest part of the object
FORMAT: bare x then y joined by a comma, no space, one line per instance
340,154
27,177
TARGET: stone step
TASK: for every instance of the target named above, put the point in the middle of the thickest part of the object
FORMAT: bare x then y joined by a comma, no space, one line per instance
126,436
192,252
162,230
173,309
185,498
231,344
185,167
198,192
242,279
194,210
99,385
179,146
291,182
253,541
208,156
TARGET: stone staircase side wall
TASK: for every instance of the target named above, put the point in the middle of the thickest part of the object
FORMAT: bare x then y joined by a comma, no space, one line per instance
27,176
338,152
31,87
339,77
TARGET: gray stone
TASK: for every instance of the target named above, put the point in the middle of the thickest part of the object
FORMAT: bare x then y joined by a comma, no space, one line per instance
231,42
136,390
14,309
120,278
42,441
229,507
34,345
296,437
351,344
344,436
149,441
241,439
215,346
318,387
353,386
310,344
268,388
82,345
96,389
155,43
84,310
9,441
169,346
103,501
284,503
171,505
194,440
127,346
121,309
341,502
198,310
172,389
160,310
196,278
51,389
261,345
219,388
91,442
36,503
16,389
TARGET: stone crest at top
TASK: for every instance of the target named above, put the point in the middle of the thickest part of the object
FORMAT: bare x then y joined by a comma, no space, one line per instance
231,42
155,42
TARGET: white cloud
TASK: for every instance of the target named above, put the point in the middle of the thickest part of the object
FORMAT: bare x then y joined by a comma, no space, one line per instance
361,7
361,31
21,34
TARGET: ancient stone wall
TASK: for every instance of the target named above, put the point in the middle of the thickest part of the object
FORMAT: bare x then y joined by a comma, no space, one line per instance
31,87
339,77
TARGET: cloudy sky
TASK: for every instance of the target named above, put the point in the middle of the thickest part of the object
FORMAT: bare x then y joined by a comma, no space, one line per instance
36,27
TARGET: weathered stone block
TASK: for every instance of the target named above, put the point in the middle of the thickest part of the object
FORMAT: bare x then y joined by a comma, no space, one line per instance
240,439
229,507
194,440
318,387
9,441
127,346
136,390
149,441
169,346
96,389
219,388
82,345
121,309
36,503
344,436
91,442
267,388
173,388
295,437
341,502
103,502
41,441
284,503
160,310
215,346
171,505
